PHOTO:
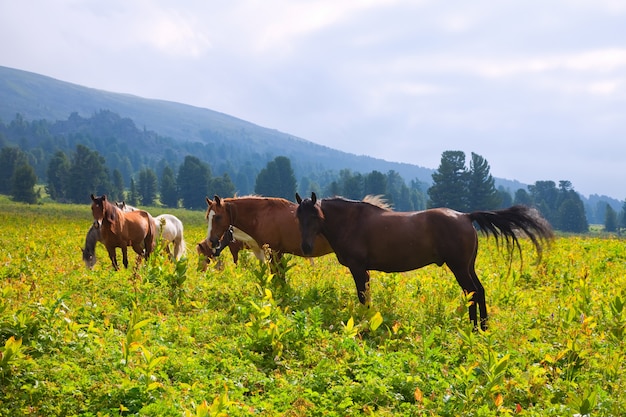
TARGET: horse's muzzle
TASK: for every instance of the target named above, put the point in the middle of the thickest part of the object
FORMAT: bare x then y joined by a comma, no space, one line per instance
307,248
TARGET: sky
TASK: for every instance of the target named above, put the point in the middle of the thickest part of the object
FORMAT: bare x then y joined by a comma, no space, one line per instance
537,88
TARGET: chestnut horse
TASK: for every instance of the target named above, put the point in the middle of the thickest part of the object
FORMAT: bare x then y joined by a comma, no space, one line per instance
168,227
267,220
367,237
120,230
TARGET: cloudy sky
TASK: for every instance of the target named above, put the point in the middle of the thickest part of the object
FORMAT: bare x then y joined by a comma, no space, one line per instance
538,88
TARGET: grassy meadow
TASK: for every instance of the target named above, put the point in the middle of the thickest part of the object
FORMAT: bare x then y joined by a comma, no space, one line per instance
165,339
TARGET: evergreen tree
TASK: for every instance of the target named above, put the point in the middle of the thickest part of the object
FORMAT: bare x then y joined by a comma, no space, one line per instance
544,195
193,181
376,184
23,187
222,186
10,159
482,193
88,175
522,197
134,197
169,194
610,219
277,179
117,193
506,200
450,182
58,173
571,216
147,186
622,218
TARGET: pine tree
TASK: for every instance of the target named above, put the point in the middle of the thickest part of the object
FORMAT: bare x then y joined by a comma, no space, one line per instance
147,186
169,193
10,159
450,182
23,187
88,175
482,193
58,173
277,179
610,219
193,181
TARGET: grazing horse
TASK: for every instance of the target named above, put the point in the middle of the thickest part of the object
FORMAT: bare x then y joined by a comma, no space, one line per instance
168,227
229,241
367,237
120,229
89,251
266,220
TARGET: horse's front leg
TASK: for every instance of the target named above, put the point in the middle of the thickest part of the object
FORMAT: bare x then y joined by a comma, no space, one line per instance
125,256
113,258
362,280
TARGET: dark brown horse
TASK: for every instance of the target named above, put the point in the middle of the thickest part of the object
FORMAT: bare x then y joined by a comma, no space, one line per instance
367,237
120,230
267,220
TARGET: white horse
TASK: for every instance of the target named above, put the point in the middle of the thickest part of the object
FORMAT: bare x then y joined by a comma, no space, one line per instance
168,227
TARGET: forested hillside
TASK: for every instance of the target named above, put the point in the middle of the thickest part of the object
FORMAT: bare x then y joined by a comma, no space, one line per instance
130,137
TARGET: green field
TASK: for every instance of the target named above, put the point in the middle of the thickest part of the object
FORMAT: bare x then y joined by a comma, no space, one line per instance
165,339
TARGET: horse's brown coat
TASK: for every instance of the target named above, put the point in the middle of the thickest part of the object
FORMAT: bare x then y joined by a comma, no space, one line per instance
267,220
366,237
120,230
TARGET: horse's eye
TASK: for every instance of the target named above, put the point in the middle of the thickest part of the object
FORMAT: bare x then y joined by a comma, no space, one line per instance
218,217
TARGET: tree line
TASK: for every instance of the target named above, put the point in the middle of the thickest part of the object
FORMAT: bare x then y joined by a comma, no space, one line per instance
72,178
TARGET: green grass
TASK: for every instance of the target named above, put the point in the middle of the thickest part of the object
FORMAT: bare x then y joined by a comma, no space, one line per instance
166,339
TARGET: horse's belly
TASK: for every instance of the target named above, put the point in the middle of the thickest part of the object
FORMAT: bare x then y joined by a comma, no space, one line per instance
400,259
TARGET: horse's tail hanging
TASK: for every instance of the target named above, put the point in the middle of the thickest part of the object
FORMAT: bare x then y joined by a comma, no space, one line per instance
509,222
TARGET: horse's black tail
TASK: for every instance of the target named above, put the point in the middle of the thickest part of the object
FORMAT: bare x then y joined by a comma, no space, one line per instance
509,222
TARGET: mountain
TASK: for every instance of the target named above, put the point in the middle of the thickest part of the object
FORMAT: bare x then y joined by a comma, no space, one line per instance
37,97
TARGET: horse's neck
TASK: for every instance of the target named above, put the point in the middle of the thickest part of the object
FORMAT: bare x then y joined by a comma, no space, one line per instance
93,236
242,215
338,215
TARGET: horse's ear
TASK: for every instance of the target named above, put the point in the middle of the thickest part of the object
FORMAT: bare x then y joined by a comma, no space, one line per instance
217,199
298,198
313,197
104,197
93,197
208,202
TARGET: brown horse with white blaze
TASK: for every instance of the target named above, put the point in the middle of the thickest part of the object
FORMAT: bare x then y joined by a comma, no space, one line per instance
267,220
367,237
120,230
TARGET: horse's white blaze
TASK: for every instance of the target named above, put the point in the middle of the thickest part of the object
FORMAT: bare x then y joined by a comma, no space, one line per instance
210,226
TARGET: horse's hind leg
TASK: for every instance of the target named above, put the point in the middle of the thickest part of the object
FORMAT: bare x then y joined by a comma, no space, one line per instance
469,282
362,280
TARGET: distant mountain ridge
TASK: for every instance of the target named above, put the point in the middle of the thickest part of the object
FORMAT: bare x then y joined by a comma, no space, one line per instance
38,97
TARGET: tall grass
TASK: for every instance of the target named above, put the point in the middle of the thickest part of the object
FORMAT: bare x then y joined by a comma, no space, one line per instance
163,338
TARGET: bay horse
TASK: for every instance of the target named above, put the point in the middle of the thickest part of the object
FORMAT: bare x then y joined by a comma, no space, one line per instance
121,229
366,237
168,227
266,220
89,250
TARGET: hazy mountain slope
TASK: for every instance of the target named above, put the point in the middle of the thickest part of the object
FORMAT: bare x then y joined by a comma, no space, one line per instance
39,97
